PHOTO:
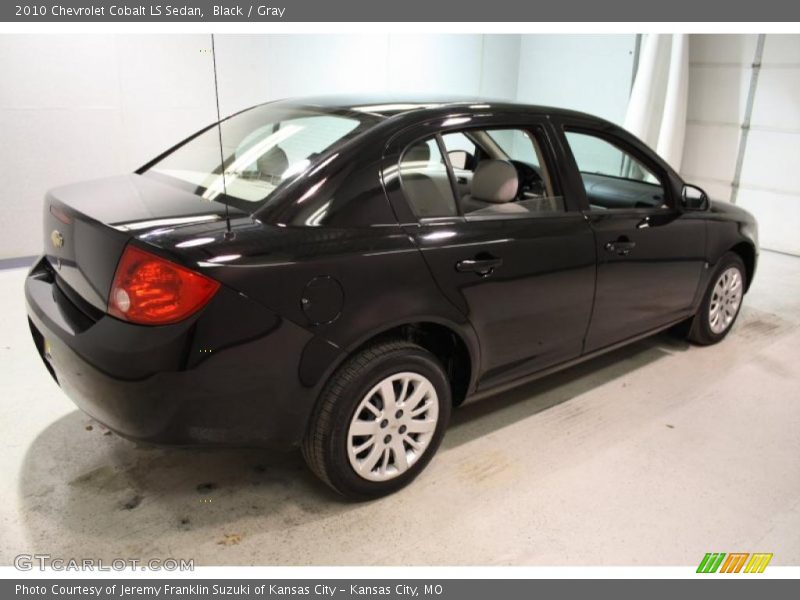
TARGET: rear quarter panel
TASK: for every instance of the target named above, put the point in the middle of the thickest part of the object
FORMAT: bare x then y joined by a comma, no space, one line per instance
382,278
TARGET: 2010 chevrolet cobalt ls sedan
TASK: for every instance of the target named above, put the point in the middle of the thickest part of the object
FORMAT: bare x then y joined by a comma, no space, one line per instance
338,273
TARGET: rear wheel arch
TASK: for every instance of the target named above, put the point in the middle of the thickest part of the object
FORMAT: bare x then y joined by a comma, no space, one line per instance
451,349
443,340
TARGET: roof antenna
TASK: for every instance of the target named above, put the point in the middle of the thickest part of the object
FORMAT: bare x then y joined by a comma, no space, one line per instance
229,235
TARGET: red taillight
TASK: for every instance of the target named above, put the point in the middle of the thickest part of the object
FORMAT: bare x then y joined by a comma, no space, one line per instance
151,290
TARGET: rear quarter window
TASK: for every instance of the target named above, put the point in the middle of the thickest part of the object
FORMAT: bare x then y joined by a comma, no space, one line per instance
245,158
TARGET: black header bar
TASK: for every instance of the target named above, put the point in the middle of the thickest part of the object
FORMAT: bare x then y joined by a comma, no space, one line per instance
706,11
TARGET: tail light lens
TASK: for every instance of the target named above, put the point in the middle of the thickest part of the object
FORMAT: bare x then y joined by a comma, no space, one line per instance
151,290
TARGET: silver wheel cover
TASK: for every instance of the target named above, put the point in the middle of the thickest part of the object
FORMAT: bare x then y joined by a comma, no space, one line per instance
392,426
725,300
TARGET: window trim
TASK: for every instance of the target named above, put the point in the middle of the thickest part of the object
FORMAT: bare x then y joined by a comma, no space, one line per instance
451,175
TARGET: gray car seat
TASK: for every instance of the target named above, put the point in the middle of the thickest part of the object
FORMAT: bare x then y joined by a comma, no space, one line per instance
426,184
272,165
494,184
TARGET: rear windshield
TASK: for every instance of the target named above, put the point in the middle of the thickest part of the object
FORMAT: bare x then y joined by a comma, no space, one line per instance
260,149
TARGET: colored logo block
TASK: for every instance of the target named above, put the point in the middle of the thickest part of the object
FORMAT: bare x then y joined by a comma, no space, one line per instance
735,562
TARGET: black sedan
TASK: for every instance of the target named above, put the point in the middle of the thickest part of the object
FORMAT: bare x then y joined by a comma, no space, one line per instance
339,273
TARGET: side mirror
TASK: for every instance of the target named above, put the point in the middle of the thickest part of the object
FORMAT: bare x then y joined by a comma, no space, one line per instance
694,198
460,159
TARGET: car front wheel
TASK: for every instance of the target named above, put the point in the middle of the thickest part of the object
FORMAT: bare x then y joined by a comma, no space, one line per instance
721,302
379,420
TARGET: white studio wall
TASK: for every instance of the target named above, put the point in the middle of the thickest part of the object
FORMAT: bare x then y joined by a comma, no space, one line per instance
256,68
770,177
590,73
721,72
720,68
81,107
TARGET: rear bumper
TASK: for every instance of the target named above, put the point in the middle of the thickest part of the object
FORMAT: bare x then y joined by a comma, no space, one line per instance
231,375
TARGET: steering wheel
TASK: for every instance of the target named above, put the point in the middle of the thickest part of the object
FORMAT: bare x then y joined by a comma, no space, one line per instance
530,180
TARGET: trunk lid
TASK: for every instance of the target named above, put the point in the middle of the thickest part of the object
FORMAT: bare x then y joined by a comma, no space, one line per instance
87,225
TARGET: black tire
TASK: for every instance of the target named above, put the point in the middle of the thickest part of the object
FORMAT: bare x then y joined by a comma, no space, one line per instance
325,444
700,331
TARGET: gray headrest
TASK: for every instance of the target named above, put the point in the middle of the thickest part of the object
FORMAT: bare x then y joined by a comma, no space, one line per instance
418,153
495,181
273,163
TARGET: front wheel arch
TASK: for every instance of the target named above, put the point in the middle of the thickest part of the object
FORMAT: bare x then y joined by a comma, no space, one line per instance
701,328
747,253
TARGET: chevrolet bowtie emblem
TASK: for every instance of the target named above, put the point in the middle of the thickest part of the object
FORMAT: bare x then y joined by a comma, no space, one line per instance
57,239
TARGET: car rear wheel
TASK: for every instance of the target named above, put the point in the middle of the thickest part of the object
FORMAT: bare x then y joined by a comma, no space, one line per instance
379,420
721,302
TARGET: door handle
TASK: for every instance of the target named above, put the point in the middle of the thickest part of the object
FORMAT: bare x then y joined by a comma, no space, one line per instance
622,246
481,266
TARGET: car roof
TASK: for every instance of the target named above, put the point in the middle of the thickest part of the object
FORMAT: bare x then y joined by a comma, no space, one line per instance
392,105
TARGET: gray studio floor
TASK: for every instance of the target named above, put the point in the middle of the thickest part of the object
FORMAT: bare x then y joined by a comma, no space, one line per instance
653,455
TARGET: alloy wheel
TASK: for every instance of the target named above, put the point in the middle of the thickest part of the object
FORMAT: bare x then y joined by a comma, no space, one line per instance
725,300
392,426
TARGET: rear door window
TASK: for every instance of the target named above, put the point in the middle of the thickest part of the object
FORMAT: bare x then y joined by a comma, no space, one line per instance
426,181
509,176
493,173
